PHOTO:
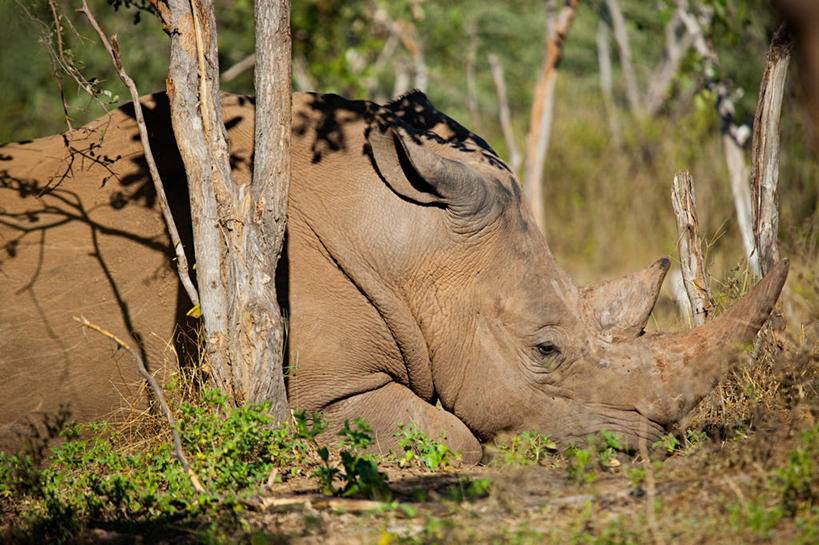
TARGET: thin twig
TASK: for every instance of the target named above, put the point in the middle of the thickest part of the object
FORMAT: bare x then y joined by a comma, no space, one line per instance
177,443
113,50
239,68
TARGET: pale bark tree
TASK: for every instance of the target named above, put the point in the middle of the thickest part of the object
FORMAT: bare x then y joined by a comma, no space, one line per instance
689,246
503,112
618,25
677,43
237,228
765,149
734,136
606,86
540,120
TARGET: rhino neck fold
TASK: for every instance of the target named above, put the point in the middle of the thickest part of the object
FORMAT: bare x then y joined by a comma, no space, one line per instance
392,309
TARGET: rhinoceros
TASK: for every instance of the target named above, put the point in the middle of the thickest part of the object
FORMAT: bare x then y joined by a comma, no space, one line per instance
417,286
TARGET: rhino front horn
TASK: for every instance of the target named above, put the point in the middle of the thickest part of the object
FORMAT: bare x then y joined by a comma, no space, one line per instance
690,363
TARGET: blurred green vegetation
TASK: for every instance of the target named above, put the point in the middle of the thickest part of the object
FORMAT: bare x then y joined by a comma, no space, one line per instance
607,195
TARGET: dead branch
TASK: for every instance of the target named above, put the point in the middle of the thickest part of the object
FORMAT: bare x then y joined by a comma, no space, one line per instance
113,50
690,247
676,46
765,149
540,120
177,443
239,68
503,112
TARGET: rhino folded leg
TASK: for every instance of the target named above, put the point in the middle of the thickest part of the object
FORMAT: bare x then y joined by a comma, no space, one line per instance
393,404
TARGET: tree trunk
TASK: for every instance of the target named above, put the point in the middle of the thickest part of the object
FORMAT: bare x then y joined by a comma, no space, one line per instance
604,65
503,112
690,247
259,315
540,120
618,25
733,136
765,154
233,226
471,91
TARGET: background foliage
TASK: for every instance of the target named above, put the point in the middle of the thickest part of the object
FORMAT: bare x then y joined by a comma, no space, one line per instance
607,198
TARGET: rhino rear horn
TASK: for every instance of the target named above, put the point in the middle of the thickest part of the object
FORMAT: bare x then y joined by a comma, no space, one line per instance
416,172
621,306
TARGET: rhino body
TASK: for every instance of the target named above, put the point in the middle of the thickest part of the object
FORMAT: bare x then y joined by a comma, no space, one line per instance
418,287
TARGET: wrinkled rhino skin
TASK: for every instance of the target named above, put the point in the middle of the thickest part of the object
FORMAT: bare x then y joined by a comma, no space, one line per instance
413,274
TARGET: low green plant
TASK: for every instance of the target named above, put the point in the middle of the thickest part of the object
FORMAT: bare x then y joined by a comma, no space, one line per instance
580,464
421,449
599,452
233,451
467,488
360,475
527,448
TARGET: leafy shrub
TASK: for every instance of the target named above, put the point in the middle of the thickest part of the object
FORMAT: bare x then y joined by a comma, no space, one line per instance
426,452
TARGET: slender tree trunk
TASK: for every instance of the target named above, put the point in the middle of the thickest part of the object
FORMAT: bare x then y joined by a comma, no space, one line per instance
690,247
733,136
261,320
606,88
471,91
765,154
540,121
503,112
618,25
237,229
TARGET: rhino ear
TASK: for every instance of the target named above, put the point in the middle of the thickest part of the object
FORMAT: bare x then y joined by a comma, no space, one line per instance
622,306
416,172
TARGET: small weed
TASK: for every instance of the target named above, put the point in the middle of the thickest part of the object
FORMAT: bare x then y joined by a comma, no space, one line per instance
361,474
527,448
669,442
418,447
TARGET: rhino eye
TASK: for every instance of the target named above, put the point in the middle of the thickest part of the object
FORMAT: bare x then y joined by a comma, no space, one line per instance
547,349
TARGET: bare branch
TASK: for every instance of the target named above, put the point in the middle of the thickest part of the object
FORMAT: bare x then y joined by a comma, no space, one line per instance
690,247
676,46
503,112
177,443
113,50
239,68
765,155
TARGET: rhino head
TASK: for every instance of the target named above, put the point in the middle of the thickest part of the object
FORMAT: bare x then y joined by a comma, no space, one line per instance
535,351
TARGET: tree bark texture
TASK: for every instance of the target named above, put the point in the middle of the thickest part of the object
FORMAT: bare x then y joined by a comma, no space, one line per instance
690,247
765,149
265,220
540,121
228,220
